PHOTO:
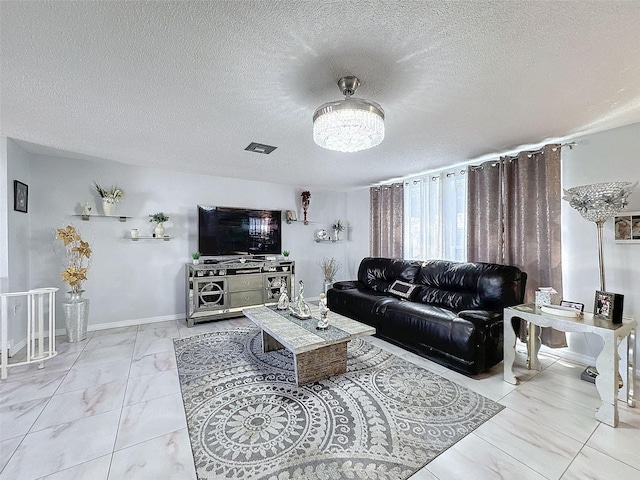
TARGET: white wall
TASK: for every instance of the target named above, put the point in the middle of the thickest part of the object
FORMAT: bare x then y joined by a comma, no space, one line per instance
18,253
134,282
358,203
613,155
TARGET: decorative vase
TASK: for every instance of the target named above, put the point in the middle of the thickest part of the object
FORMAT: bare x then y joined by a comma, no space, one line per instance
76,316
109,206
134,233
336,234
305,207
159,230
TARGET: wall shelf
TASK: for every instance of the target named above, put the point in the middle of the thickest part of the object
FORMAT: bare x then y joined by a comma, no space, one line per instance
289,222
166,238
87,217
327,240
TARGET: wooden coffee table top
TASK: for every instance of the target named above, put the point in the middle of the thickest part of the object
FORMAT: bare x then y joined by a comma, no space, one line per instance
300,336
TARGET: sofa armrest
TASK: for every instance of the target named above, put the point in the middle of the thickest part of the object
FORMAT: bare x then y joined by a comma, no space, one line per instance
480,317
346,285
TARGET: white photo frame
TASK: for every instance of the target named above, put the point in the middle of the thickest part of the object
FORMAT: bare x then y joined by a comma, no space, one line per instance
626,227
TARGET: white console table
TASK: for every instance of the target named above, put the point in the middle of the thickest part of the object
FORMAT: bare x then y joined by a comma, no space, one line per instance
607,362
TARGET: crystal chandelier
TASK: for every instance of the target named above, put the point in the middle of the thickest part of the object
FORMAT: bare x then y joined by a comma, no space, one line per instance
597,203
348,125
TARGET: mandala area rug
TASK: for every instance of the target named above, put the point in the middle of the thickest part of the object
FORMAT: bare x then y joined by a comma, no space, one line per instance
384,419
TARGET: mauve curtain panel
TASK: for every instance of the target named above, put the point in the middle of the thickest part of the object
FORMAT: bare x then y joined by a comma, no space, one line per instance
513,215
387,220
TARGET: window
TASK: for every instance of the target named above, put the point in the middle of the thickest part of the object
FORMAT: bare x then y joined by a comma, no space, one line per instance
435,216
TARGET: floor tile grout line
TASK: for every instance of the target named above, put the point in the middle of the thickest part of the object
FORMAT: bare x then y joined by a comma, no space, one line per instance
520,461
124,397
605,453
509,455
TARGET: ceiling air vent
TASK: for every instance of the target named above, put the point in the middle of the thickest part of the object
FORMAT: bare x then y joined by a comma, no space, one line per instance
260,148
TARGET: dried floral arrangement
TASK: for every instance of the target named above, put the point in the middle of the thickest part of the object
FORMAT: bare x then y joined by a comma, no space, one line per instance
114,193
330,268
306,195
78,255
338,226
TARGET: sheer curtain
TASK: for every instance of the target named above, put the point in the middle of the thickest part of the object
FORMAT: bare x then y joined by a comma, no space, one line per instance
387,220
514,219
435,216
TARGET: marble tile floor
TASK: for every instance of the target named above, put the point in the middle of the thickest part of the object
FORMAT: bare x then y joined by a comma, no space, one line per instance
109,408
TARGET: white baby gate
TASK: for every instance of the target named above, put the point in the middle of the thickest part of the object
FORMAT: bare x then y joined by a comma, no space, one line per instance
41,343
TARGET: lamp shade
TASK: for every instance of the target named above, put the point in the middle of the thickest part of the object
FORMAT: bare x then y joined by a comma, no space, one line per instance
600,201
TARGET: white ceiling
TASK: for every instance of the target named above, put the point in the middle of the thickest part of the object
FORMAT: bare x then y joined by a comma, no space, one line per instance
188,85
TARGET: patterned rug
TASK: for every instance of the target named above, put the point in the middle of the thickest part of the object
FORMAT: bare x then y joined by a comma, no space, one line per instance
384,419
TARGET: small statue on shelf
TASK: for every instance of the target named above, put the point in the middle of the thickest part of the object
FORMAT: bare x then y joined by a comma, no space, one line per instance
323,322
283,301
300,309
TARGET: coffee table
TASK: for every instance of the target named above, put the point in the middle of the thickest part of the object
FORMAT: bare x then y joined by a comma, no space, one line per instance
317,354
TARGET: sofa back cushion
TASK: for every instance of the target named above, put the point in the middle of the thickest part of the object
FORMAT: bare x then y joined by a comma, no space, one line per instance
379,273
468,286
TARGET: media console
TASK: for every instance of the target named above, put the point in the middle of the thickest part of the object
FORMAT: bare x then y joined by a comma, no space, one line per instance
220,289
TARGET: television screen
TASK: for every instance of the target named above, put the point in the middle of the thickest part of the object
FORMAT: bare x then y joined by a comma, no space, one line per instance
239,231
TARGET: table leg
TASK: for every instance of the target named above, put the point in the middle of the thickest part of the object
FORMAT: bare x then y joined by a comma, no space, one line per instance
631,367
509,350
269,344
607,364
533,346
320,363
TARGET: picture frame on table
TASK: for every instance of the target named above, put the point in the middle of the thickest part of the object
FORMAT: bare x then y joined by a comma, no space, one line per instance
608,305
627,227
20,196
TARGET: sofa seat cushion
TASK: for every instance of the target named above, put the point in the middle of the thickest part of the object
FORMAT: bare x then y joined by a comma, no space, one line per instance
361,303
436,328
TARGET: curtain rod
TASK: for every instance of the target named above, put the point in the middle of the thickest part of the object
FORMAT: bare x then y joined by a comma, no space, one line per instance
529,154
471,167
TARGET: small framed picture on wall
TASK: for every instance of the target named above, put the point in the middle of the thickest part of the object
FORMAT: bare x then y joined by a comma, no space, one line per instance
627,227
20,196
609,305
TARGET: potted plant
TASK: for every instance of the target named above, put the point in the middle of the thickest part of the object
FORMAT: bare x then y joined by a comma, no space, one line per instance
196,258
76,308
110,197
159,218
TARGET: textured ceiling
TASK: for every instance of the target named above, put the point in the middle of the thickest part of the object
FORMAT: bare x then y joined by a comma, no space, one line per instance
188,85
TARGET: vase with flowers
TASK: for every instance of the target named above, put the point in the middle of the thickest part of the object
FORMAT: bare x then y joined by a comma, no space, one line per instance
306,195
76,308
330,268
338,228
159,218
110,197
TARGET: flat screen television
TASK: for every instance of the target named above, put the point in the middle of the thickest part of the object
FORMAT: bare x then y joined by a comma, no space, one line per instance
239,231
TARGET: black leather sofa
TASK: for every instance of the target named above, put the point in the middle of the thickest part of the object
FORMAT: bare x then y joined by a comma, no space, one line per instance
450,312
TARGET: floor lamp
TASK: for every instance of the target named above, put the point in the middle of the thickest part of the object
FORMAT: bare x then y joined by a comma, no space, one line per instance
598,203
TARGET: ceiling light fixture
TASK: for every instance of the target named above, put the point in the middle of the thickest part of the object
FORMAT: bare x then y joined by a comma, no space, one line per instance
348,125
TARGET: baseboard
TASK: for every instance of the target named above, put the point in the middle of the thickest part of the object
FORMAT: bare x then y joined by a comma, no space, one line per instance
135,321
569,355
16,346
